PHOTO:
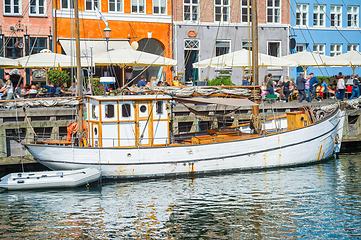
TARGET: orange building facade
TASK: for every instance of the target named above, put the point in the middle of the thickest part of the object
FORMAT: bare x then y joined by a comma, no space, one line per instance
148,22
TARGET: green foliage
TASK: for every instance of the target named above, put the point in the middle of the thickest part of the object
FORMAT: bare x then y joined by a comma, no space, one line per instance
59,77
225,81
97,87
321,78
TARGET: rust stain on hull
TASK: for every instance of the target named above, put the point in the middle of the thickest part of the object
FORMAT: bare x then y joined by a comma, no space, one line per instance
319,153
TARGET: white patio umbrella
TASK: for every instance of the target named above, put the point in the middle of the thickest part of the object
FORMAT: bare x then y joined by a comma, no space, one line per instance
7,62
47,59
352,57
311,59
241,59
130,57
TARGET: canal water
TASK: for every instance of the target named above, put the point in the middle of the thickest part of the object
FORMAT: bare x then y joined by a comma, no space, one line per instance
321,201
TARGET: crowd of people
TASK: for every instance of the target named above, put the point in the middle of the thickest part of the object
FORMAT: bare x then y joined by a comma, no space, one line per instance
308,87
8,91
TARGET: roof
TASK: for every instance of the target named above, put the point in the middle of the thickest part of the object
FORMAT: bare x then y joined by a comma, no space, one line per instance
237,102
130,97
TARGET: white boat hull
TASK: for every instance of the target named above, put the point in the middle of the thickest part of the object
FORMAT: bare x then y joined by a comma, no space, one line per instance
49,179
301,146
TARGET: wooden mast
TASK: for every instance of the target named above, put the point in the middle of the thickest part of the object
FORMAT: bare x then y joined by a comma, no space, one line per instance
78,68
255,76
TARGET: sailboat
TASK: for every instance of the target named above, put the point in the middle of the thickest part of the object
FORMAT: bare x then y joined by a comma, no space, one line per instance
130,137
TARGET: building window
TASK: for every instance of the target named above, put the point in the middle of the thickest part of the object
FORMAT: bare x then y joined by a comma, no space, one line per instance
223,47
221,10
126,110
247,45
67,4
319,48
38,44
273,11
37,7
91,4
301,47
159,6
109,111
115,5
336,16
12,47
352,47
191,10
138,6
352,16
244,11
318,15
336,49
302,15
12,7
191,44
274,49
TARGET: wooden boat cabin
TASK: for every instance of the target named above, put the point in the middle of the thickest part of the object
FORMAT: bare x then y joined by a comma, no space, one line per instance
127,121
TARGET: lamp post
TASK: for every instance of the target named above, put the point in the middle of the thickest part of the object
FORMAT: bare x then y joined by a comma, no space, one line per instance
107,31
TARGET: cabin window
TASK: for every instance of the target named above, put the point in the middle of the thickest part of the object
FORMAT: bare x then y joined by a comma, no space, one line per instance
93,112
126,110
109,111
143,108
95,131
159,107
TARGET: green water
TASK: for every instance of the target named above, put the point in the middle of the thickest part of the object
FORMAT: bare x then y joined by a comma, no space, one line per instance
321,201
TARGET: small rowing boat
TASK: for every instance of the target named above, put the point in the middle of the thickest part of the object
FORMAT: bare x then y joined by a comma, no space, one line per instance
49,179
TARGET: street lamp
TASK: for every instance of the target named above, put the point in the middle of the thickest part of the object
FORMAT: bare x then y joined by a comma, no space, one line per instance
107,31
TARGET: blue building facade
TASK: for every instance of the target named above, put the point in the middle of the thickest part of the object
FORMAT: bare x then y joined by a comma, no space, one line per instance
330,27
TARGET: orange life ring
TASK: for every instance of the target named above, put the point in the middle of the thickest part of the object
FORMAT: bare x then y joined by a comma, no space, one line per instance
73,128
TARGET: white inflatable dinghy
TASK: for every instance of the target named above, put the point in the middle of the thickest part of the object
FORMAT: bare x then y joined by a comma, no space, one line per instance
49,179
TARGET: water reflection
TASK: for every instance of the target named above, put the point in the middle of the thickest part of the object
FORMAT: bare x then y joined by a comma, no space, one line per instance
318,201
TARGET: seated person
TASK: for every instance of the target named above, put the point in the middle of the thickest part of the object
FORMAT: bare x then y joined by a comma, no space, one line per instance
50,88
175,81
21,90
32,90
142,82
59,90
72,88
